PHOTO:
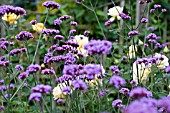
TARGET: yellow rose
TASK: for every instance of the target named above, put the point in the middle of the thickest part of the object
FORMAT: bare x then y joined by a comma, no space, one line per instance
10,17
114,12
81,40
143,72
38,27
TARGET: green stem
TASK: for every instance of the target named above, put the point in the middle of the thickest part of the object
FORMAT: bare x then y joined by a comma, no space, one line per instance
36,50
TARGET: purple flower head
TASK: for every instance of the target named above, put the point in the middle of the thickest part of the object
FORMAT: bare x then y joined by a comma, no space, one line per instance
90,70
50,31
150,28
167,69
133,82
79,84
132,33
143,105
117,102
54,59
19,67
25,84
125,16
7,95
41,88
72,31
108,23
117,81
64,78
124,58
98,47
23,75
48,71
57,22
144,20
72,43
53,47
35,96
73,70
2,108
69,58
33,68
17,51
47,57
115,70
65,17
124,91
86,32
152,10
101,93
20,11
1,81
164,10
11,86
151,36
157,6
33,22
79,1
139,92
164,102
60,101
58,37
66,90
51,4
24,35
73,23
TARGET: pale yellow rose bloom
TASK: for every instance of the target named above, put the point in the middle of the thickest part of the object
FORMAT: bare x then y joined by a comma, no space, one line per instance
143,72
10,17
81,40
114,12
38,27
161,64
132,50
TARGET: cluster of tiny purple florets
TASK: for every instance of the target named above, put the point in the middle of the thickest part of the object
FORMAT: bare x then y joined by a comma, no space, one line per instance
38,91
11,9
98,47
24,35
51,4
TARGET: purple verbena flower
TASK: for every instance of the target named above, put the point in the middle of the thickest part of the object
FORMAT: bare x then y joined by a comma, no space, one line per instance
59,37
73,23
24,35
79,84
17,51
50,31
125,16
132,33
157,6
41,88
57,22
144,20
115,70
164,102
98,47
33,68
66,90
48,71
23,75
33,22
117,81
117,102
65,17
72,31
108,23
35,96
19,67
51,4
124,91
139,92
86,32
79,1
